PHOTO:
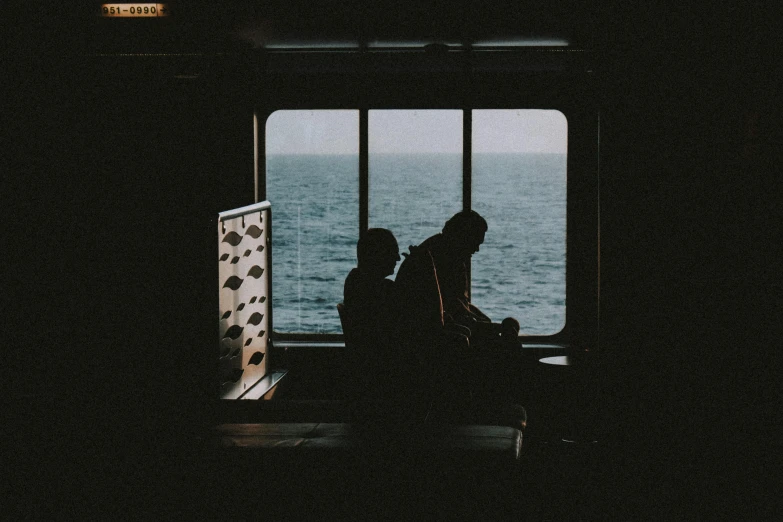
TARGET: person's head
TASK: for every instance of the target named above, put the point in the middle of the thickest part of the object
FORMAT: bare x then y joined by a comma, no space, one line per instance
377,251
465,232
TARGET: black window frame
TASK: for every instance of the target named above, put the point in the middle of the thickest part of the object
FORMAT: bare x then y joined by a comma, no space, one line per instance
356,81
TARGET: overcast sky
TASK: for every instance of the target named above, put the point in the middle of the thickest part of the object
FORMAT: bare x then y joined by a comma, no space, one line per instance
416,131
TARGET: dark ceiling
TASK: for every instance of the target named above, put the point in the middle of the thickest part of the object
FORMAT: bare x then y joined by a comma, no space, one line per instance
228,25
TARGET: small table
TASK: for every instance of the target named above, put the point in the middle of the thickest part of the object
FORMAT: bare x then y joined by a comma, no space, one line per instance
558,360
569,394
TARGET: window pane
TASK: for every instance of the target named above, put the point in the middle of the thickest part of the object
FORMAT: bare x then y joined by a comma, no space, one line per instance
312,176
415,171
519,186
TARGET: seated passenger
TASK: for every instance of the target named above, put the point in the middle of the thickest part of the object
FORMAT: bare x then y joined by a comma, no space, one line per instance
383,388
450,253
433,287
369,297
437,347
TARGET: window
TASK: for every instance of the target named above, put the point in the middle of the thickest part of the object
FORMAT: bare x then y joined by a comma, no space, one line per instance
312,180
416,179
519,186
415,172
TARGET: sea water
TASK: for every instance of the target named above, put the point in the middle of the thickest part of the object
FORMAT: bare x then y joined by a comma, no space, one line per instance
519,270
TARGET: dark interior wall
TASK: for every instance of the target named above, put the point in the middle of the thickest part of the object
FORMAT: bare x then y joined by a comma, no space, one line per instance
165,203
687,295
119,170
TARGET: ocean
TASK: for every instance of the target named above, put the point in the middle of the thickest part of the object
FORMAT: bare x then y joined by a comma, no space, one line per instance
518,272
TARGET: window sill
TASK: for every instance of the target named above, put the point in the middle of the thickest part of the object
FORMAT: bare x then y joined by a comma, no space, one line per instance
339,344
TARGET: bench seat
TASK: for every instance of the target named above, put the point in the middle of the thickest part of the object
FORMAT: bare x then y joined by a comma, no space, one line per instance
484,444
336,411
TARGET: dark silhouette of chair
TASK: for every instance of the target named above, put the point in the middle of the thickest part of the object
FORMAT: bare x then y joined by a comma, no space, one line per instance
347,326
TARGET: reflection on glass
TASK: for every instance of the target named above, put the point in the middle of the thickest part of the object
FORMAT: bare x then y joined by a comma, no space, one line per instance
519,186
415,171
312,171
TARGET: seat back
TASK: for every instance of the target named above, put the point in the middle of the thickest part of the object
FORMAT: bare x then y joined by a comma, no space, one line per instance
347,327
418,287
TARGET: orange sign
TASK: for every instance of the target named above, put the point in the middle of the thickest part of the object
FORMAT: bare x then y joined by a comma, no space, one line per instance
134,10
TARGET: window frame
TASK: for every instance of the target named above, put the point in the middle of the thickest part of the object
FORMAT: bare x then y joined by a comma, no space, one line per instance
566,94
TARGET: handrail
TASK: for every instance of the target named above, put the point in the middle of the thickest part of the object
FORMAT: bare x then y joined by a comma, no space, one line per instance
243,211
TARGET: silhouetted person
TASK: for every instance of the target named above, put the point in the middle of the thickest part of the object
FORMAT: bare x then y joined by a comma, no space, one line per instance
432,283
369,297
439,345
383,388
450,252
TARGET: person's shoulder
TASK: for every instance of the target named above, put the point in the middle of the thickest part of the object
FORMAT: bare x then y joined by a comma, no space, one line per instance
424,249
417,265
435,246
432,241
352,281
353,275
